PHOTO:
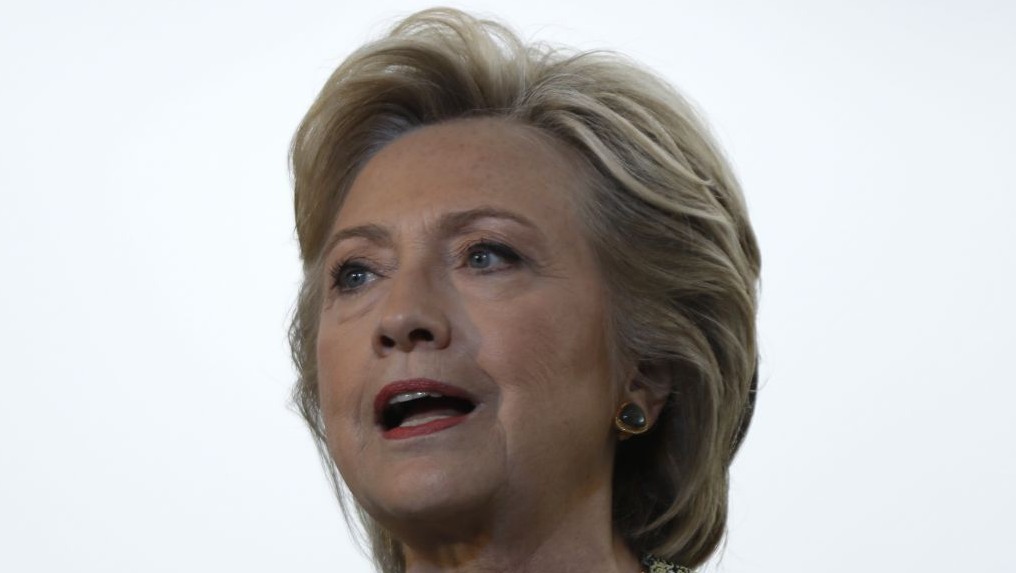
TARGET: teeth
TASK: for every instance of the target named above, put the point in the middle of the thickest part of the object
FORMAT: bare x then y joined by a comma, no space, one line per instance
410,396
421,420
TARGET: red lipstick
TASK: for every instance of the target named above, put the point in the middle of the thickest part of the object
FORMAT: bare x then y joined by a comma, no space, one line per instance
444,392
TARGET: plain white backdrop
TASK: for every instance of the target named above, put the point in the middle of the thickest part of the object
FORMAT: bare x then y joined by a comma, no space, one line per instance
149,267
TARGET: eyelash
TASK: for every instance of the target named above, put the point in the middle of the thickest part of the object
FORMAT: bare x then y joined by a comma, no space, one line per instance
509,255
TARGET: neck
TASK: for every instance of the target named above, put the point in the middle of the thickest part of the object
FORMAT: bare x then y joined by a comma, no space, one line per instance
527,538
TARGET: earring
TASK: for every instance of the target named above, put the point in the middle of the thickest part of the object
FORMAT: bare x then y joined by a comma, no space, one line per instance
630,419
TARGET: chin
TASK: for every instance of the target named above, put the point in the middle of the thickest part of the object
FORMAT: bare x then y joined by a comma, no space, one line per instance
433,490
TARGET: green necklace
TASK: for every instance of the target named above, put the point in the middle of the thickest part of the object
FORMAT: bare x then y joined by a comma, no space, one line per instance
652,564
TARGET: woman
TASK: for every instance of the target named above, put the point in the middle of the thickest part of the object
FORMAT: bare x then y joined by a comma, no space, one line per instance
526,332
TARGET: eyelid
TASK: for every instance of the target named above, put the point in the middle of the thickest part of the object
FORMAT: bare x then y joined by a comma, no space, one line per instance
511,257
500,248
340,266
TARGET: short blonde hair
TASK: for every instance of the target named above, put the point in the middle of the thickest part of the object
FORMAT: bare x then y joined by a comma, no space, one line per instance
664,214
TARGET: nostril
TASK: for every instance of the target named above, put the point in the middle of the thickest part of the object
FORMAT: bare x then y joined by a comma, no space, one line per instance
415,335
421,334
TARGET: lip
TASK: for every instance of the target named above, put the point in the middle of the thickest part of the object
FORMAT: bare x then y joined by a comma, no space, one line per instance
419,385
435,426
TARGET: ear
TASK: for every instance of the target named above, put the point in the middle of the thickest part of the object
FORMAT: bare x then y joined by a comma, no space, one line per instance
648,386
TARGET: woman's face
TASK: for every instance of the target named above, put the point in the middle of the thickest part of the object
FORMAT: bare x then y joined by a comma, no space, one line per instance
462,351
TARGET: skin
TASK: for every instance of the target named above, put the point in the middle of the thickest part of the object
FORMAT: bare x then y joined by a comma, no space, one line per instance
525,483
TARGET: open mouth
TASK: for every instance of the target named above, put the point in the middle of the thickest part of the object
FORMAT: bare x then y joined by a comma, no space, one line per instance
417,409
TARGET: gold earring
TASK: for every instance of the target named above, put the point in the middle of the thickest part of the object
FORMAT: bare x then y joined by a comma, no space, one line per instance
630,419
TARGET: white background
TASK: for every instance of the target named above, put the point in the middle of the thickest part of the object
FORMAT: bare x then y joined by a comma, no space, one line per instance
149,267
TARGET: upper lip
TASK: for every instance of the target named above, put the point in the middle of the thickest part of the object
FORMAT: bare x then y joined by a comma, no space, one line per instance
416,385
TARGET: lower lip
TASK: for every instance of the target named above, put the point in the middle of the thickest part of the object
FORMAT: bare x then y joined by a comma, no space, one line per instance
401,433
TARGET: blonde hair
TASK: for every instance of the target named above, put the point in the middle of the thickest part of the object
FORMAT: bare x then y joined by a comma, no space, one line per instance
664,214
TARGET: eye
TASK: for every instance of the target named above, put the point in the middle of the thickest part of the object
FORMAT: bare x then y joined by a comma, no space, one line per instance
489,256
348,276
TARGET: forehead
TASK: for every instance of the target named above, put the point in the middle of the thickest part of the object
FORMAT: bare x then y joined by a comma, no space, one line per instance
461,165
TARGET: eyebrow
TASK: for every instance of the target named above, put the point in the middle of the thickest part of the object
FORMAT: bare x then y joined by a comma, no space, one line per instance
449,224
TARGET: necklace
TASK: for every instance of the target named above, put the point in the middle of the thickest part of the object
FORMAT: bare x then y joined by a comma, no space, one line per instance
653,564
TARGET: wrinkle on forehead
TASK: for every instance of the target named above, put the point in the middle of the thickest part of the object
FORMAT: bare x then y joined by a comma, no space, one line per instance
481,162
484,148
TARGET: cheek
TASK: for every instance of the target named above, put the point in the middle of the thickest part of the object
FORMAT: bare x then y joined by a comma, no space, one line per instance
337,390
550,358
328,363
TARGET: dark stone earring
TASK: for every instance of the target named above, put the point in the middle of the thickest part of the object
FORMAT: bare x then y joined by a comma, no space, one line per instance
630,419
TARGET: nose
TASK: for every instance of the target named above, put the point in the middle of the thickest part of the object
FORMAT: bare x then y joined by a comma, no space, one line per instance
413,316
